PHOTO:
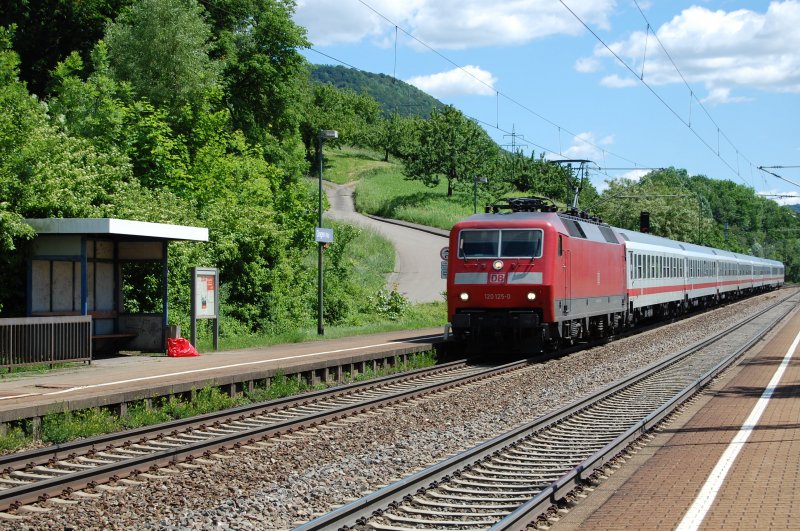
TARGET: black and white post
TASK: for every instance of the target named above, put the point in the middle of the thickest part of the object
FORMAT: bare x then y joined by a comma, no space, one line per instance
322,236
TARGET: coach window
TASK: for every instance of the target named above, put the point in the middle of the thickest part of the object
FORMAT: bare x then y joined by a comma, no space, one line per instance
560,245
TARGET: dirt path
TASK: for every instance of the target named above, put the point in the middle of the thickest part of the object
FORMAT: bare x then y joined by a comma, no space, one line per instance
417,268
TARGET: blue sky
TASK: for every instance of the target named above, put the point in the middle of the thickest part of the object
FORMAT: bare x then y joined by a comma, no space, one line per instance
532,67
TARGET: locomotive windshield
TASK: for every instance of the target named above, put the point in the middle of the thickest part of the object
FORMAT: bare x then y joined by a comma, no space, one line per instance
506,243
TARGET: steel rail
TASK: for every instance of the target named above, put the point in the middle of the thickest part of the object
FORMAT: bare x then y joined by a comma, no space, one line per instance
34,461
358,512
528,513
42,488
48,456
40,456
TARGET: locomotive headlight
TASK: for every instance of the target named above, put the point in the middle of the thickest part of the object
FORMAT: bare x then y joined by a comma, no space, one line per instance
497,265
464,296
531,296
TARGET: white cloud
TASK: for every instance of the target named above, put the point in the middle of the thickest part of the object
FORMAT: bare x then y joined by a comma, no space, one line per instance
467,81
633,175
722,95
587,146
447,24
615,81
587,65
341,22
721,50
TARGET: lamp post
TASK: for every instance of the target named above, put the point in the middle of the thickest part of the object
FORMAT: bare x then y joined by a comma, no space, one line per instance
320,236
475,181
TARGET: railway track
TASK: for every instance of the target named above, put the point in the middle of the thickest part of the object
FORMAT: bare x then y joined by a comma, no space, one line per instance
510,482
58,471
61,470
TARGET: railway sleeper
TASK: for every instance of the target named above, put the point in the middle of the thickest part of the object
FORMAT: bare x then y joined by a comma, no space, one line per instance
419,500
443,513
420,521
481,499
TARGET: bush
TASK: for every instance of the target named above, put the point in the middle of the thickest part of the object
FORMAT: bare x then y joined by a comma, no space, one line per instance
13,440
62,427
390,304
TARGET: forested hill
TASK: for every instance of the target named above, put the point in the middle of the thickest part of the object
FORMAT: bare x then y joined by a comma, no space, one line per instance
392,94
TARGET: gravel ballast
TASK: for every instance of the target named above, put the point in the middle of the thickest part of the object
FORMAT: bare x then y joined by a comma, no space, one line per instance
299,476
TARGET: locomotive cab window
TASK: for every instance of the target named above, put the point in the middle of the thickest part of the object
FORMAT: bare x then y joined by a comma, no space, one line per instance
520,243
478,243
507,243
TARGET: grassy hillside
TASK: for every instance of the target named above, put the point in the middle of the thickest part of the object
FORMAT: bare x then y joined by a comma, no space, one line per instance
383,190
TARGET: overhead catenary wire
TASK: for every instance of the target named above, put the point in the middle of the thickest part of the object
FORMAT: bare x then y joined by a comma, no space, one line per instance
687,123
720,132
497,92
763,168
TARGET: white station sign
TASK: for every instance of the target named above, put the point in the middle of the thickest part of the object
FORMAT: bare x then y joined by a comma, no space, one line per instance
323,235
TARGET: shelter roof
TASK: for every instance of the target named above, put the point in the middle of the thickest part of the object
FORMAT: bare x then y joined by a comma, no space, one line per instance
118,227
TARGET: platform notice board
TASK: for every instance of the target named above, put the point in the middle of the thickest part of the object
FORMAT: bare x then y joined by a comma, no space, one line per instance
205,300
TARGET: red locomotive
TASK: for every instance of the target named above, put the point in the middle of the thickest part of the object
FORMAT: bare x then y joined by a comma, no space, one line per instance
535,276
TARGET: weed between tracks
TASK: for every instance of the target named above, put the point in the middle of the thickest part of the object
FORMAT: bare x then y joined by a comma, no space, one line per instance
70,425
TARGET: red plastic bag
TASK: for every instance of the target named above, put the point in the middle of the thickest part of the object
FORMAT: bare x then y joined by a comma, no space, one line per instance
180,348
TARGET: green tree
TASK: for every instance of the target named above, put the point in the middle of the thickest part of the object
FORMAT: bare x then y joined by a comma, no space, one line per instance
394,136
673,209
265,75
168,67
45,172
537,176
47,31
354,116
19,120
452,147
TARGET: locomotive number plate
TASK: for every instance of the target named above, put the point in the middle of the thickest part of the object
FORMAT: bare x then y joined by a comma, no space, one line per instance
497,296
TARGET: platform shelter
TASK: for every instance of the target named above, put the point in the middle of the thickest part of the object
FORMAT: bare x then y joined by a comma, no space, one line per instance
80,267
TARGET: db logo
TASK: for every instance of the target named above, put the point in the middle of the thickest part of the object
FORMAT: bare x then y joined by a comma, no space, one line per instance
497,278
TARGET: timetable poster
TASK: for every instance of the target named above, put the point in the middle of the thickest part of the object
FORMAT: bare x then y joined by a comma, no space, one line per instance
205,293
